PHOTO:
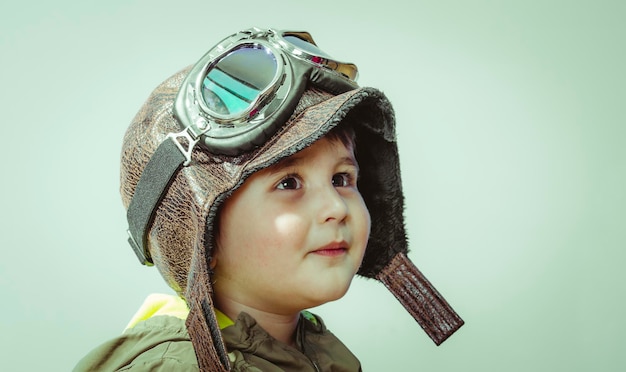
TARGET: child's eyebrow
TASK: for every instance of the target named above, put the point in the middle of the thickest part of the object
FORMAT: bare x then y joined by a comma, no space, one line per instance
295,160
350,161
289,162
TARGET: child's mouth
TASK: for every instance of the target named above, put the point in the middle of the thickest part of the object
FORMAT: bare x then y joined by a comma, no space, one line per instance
331,252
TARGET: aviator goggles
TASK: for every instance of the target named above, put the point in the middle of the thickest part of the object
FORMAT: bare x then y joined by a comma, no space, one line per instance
232,100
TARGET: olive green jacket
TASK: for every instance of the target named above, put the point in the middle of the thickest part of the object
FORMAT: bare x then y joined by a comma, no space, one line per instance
161,343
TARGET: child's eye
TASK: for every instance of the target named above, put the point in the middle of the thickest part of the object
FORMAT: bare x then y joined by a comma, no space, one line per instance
342,180
289,183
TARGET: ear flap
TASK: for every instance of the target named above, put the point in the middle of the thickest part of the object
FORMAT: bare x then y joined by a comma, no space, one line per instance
380,184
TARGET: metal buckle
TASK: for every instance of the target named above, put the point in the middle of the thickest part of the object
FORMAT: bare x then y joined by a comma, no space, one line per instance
192,136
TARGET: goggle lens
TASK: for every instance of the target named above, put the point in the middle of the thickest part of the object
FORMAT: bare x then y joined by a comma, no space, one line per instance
236,81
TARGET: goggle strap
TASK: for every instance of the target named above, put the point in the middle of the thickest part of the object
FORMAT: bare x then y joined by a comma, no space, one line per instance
329,83
151,188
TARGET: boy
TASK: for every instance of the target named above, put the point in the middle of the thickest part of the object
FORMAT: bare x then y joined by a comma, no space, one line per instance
252,212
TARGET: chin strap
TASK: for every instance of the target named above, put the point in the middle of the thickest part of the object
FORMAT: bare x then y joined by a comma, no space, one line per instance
202,324
420,298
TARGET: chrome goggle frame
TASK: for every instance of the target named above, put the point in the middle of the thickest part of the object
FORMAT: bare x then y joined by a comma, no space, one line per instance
299,62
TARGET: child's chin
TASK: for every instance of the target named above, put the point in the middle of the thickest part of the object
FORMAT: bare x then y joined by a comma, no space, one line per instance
324,295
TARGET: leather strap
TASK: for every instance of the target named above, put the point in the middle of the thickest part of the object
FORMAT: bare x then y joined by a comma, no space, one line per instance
420,298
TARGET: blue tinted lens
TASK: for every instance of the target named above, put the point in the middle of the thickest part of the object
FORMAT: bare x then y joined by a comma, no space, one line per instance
234,83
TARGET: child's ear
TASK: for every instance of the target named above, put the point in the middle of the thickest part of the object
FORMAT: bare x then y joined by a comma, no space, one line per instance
212,262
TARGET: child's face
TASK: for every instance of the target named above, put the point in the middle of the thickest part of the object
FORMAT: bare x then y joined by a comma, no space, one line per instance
293,236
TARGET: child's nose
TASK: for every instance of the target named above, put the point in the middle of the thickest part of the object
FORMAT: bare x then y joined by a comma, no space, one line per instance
332,206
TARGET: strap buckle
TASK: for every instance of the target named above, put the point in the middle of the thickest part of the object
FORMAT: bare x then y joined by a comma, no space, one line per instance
191,137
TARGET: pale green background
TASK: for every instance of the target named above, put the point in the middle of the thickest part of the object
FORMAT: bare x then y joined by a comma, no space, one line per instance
511,130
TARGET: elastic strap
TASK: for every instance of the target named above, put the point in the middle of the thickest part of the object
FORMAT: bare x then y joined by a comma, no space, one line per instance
151,188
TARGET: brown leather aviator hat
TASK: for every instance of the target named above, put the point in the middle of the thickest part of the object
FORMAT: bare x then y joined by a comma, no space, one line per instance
257,97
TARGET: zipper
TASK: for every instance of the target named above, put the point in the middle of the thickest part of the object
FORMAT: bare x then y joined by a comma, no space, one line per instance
317,369
313,362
